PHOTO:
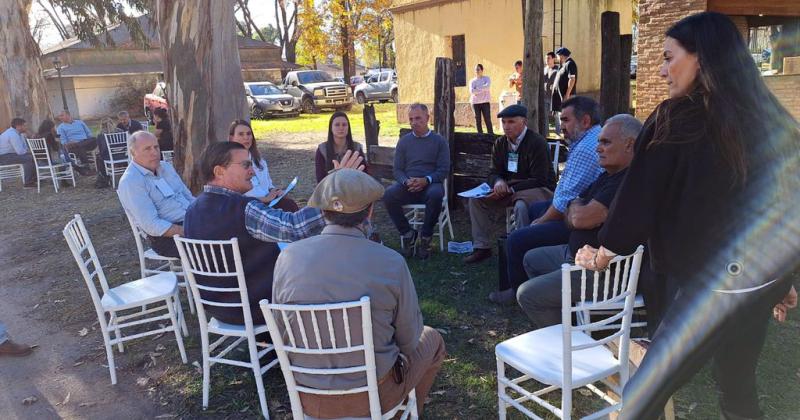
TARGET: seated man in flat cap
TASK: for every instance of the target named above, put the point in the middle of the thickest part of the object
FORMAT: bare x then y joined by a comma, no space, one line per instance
222,212
342,265
520,173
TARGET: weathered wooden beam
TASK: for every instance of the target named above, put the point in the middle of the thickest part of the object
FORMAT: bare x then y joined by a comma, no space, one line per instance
472,165
372,127
532,64
625,48
444,104
609,64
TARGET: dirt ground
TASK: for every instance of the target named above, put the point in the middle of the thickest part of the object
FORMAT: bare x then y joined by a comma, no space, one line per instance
44,301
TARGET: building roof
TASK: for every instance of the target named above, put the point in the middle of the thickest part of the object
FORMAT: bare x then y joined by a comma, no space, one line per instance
105,70
121,38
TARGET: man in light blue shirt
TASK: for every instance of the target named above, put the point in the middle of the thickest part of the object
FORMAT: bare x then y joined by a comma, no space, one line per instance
76,137
153,193
14,150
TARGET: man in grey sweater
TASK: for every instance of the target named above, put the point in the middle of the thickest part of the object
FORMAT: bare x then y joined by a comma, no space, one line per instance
421,165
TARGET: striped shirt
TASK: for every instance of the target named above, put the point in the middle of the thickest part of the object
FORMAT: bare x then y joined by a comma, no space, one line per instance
275,225
582,169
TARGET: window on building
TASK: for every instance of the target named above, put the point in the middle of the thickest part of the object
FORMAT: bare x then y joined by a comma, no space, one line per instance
459,60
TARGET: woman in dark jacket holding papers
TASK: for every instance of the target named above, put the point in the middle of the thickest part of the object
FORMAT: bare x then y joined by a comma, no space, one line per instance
713,191
263,188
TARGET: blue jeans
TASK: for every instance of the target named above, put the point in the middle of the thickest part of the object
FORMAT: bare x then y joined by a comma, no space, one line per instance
398,195
3,333
522,240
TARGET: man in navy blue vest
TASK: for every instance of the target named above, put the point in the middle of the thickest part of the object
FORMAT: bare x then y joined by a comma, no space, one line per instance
222,212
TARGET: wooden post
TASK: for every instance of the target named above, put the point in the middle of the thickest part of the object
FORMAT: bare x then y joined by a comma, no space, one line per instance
609,64
533,65
625,48
444,106
372,127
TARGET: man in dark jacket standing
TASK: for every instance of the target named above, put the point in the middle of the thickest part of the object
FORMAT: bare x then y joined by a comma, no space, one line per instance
520,173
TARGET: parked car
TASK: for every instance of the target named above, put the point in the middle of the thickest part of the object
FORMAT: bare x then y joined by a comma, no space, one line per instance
380,87
157,99
264,99
316,89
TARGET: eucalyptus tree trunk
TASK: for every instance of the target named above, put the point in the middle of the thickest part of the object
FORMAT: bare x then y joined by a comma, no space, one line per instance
533,66
22,86
205,90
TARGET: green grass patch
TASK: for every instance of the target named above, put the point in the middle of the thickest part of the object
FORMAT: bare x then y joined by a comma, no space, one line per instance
318,123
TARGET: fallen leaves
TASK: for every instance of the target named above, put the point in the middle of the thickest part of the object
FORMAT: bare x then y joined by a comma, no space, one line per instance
29,400
66,399
142,382
83,332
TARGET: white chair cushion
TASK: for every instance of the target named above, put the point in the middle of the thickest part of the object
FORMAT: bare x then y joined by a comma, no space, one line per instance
216,325
138,292
539,354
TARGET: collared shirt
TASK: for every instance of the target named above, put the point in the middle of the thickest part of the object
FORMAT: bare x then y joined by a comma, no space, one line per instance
581,170
156,200
515,144
275,225
421,137
73,132
342,265
262,182
12,141
133,126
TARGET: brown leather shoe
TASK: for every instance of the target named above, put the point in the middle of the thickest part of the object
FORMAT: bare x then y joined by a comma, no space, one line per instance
10,348
478,255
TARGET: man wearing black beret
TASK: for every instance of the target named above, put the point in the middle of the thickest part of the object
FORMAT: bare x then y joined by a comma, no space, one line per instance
520,173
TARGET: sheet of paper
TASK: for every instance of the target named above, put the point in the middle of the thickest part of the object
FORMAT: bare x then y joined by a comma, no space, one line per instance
459,247
480,191
288,189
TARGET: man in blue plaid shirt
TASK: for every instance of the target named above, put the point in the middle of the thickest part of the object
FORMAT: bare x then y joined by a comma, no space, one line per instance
580,123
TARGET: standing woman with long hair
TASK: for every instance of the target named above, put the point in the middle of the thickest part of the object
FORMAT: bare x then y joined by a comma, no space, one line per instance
340,140
263,188
713,191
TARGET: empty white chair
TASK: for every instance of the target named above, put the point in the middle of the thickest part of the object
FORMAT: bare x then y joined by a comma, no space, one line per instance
125,306
117,155
150,262
312,329
11,171
167,155
555,149
415,213
221,260
45,168
565,357
145,125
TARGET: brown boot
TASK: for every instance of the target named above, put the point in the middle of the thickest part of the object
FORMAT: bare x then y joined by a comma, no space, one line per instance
478,255
10,348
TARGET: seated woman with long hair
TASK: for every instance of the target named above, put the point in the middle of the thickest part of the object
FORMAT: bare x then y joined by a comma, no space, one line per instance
340,140
263,188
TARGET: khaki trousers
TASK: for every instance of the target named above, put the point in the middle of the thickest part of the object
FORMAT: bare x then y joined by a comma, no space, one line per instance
423,365
487,216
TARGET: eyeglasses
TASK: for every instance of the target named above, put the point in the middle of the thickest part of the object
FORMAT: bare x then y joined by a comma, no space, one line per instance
246,164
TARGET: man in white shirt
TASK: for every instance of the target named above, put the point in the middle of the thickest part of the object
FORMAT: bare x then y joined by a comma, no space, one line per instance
14,150
154,194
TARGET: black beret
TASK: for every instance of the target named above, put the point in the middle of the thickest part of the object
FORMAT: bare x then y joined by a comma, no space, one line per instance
563,51
513,111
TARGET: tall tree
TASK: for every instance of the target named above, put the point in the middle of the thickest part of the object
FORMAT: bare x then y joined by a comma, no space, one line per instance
23,88
205,90
314,45
288,29
533,63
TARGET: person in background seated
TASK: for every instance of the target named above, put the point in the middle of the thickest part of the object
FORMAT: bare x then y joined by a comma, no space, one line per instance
540,297
14,150
580,122
163,129
47,130
76,138
127,124
346,266
340,140
421,165
224,211
241,132
154,194
520,173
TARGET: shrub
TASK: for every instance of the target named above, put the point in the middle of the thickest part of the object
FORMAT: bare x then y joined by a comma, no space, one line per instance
130,95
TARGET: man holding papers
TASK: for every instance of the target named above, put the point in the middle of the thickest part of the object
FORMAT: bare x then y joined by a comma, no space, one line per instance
520,173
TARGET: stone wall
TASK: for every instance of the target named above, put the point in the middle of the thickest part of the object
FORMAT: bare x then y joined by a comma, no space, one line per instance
785,88
655,17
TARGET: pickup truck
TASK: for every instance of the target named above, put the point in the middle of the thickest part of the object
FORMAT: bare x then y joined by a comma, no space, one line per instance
157,99
381,86
316,89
